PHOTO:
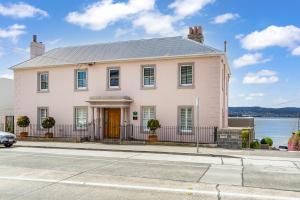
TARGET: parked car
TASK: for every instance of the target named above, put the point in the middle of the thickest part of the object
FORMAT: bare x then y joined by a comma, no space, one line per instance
8,139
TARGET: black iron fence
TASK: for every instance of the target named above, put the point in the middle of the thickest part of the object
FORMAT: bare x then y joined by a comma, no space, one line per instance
202,135
2,127
58,131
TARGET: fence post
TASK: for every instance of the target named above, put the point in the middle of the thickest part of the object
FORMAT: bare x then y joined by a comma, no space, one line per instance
215,134
197,135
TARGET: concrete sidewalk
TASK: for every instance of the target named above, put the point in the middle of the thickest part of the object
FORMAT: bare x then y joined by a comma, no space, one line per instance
179,150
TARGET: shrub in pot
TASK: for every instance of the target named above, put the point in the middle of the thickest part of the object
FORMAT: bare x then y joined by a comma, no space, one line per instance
23,122
294,142
255,144
153,125
48,123
245,138
266,143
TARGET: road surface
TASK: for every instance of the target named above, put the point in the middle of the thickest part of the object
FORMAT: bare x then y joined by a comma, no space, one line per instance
50,174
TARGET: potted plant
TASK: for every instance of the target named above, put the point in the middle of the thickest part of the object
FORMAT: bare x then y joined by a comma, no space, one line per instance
266,143
153,125
255,144
48,123
245,138
294,142
23,122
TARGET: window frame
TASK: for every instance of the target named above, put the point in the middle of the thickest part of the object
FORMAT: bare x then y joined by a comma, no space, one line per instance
180,131
76,128
76,82
142,129
143,86
180,65
39,84
108,78
39,118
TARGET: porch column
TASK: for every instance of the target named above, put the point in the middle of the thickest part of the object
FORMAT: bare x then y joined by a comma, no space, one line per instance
93,125
98,124
101,123
122,122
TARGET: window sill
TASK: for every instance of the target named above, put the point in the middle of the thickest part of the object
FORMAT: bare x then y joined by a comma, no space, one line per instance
112,89
43,91
186,87
81,90
148,88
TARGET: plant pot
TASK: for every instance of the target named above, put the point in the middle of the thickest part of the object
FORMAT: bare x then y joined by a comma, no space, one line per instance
152,138
48,135
264,146
294,143
23,134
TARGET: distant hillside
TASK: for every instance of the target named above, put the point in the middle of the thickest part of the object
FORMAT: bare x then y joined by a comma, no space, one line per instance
264,112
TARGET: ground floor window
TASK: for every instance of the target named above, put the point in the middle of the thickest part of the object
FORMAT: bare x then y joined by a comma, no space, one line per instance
42,115
148,112
81,118
186,119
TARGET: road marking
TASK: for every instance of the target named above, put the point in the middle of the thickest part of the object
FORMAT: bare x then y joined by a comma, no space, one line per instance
151,188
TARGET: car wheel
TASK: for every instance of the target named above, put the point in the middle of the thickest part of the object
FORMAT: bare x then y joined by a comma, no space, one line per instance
7,145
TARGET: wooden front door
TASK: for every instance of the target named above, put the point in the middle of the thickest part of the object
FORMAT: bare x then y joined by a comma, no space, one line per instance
112,122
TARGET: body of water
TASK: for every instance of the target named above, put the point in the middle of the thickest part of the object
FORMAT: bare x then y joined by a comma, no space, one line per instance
279,129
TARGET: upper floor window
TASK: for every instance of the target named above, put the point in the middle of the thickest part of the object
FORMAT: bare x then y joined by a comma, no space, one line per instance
81,118
186,76
42,115
114,78
81,79
148,76
43,81
186,119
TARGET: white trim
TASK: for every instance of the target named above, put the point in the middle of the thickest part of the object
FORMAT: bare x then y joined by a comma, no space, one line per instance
149,86
40,81
186,65
77,80
109,78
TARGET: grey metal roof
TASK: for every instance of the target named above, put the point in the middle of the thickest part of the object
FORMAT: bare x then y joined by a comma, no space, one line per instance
134,49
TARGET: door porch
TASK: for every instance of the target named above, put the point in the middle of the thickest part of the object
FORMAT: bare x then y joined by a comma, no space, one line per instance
109,116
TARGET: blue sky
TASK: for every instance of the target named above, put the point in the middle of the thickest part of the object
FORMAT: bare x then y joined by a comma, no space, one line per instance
263,36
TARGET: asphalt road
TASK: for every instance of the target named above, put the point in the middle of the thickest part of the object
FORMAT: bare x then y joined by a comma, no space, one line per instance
48,174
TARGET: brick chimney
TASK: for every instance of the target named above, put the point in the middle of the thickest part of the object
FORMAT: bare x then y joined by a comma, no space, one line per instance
196,34
36,48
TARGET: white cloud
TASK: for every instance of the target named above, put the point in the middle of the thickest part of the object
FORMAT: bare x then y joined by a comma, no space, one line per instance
184,8
156,23
221,19
283,36
261,77
7,75
100,14
141,13
253,96
13,32
21,10
296,51
250,59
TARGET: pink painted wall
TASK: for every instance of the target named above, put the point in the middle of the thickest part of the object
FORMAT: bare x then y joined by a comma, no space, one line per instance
62,97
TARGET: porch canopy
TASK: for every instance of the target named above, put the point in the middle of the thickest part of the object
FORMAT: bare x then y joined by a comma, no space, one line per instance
110,101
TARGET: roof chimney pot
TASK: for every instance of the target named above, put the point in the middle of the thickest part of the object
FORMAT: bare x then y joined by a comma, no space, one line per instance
36,48
196,34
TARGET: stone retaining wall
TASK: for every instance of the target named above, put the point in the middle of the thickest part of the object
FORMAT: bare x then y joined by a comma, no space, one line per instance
230,138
